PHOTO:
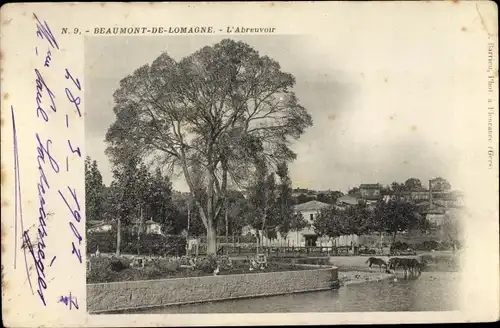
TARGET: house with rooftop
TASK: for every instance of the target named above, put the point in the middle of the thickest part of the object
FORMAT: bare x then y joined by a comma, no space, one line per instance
99,226
370,192
305,236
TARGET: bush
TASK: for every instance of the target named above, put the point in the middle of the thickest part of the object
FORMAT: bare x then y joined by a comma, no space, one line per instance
149,244
117,265
427,245
399,246
207,265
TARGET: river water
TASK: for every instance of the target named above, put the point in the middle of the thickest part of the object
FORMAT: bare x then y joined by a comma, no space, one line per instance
432,291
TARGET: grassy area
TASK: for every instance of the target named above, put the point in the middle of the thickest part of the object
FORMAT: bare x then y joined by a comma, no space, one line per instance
114,270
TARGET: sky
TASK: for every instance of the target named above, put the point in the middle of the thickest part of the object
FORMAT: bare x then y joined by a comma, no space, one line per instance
379,110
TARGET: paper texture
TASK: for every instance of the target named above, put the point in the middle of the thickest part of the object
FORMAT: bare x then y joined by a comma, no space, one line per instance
395,90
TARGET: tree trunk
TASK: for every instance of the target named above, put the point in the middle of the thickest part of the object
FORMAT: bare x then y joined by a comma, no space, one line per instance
211,239
227,224
139,234
118,237
211,230
394,236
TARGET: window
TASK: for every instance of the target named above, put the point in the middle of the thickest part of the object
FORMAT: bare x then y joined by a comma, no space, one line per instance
311,216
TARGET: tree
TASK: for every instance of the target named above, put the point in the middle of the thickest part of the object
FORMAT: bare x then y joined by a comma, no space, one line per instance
452,228
398,188
94,192
217,108
285,203
353,191
385,190
330,197
413,184
440,184
160,203
237,208
328,222
125,196
303,198
297,223
395,215
185,206
263,213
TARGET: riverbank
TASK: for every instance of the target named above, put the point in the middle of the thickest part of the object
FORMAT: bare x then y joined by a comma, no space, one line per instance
436,261
353,277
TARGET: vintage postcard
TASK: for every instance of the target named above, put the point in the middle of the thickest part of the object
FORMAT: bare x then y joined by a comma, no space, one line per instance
249,163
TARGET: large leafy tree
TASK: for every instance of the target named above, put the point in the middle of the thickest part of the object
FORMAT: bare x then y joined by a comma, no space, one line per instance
440,184
328,222
396,215
413,184
334,222
215,109
94,191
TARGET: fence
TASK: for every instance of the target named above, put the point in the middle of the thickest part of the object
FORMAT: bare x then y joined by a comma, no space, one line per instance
278,251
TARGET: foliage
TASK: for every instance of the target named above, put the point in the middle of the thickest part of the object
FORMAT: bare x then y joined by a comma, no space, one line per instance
452,228
102,270
262,214
304,198
287,218
214,110
94,192
353,191
396,215
329,197
334,222
413,184
399,246
440,184
184,205
397,188
150,244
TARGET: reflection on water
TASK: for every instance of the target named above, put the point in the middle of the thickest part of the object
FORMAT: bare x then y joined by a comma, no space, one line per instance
432,291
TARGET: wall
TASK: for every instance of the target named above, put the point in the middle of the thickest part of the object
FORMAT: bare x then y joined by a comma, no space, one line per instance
118,296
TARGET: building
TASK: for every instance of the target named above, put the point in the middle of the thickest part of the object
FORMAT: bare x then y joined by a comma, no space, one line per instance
148,227
99,226
303,237
370,194
152,227
370,191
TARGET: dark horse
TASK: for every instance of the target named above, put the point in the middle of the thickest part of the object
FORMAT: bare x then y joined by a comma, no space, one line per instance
411,266
376,261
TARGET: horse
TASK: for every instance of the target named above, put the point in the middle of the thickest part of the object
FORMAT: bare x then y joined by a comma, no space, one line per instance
417,266
376,261
411,266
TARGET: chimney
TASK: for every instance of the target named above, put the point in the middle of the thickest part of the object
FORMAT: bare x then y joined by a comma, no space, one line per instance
430,195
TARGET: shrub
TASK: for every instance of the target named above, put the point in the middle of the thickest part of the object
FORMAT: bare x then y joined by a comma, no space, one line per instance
149,244
117,265
398,245
427,245
206,265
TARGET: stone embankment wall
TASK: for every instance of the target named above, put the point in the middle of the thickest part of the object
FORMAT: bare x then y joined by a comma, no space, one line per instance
119,296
